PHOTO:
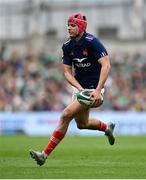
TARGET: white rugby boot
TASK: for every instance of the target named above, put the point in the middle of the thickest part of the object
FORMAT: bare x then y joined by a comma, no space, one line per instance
39,157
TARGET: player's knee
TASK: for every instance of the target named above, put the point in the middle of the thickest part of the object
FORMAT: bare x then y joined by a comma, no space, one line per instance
81,126
67,115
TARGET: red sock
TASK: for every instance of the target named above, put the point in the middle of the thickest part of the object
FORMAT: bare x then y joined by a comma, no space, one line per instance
102,126
54,140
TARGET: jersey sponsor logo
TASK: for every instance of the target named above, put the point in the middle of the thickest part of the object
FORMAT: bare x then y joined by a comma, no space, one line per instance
82,64
80,60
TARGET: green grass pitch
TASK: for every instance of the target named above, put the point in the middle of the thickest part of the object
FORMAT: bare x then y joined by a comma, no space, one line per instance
75,158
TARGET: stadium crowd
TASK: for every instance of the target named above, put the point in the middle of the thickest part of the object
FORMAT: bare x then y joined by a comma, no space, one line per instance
36,83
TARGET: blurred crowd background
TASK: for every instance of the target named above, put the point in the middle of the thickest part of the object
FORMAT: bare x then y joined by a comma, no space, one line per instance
31,75
36,83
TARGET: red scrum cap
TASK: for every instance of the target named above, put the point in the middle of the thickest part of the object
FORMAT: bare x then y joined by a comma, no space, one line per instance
79,20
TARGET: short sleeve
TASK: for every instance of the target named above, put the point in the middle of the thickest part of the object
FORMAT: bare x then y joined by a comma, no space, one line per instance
65,57
98,49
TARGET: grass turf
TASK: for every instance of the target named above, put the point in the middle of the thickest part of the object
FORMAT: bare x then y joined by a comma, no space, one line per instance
76,158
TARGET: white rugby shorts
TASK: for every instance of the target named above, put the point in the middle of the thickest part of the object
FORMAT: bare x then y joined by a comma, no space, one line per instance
75,91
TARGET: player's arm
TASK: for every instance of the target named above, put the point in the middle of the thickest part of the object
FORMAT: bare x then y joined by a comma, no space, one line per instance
101,55
105,68
70,78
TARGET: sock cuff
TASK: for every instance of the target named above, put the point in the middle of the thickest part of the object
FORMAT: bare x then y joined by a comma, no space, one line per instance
54,140
58,135
102,126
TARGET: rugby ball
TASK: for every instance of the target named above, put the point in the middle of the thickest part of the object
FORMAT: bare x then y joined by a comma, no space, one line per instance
84,98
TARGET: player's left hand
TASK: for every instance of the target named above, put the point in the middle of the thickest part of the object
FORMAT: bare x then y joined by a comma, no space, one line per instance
96,97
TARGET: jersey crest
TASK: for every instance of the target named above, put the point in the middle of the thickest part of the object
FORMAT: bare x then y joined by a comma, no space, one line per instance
85,52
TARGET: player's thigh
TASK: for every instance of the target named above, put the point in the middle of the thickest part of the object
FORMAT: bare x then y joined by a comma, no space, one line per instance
81,117
73,109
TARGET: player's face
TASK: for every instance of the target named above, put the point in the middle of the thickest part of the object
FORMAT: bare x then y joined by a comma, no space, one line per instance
73,30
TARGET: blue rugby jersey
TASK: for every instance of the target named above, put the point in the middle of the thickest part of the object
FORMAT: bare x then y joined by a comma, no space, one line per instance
83,56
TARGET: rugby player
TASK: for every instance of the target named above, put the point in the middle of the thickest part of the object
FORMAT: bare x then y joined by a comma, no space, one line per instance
86,66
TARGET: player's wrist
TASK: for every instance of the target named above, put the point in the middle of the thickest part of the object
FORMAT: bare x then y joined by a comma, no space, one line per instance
98,89
80,88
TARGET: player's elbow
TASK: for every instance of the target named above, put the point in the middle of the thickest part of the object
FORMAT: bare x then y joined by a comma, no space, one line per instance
108,66
105,63
66,75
